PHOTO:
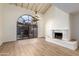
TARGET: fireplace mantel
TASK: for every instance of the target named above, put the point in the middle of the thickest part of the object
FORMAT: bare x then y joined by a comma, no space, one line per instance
60,30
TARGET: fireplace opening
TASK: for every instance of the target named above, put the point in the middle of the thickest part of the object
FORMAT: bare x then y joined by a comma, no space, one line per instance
58,35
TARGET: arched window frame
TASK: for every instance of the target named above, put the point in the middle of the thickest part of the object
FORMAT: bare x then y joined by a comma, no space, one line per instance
28,20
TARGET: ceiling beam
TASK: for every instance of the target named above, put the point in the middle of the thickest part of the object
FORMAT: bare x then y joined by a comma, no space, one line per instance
46,9
39,7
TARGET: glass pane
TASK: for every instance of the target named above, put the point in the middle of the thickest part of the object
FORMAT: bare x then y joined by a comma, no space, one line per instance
30,18
20,20
25,17
26,21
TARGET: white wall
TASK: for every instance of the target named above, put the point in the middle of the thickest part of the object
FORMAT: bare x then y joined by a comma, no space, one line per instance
75,26
1,30
56,19
11,15
53,19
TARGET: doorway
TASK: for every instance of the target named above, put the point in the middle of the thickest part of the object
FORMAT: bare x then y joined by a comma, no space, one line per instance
27,27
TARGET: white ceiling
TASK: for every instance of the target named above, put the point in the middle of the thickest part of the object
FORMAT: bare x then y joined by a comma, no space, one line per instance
68,7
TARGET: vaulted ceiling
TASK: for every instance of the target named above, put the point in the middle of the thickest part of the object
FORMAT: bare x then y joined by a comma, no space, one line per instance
39,7
68,7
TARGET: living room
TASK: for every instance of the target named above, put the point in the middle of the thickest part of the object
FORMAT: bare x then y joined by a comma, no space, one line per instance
57,29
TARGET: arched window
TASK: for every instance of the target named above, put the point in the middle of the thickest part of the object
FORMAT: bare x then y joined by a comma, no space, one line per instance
25,19
27,27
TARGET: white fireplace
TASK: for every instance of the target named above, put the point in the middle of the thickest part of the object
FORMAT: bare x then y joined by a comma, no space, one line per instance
62,37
